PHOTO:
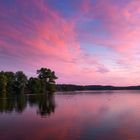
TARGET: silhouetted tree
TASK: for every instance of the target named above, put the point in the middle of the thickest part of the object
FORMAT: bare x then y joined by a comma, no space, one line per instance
34,85
47,78
46,74
20,82
11,83
3,84
10,77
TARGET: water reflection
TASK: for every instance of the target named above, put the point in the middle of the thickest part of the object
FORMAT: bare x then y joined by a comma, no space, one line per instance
45,104
82,116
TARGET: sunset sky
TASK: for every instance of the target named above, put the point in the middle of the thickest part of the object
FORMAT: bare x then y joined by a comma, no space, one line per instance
83,41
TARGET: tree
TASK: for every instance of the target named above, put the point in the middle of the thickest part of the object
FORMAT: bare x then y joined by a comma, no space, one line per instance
47,75
47,78
20,82
34,85
10,76
17,82
3,84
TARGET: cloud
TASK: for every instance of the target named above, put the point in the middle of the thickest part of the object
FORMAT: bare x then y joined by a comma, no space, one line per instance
39,34
41,38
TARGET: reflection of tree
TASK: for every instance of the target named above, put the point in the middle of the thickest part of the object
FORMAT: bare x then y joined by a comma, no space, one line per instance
21,103
44,103
6,105
16,103
32,100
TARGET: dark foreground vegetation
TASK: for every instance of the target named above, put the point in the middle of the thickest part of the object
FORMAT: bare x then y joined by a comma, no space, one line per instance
18,83
65,87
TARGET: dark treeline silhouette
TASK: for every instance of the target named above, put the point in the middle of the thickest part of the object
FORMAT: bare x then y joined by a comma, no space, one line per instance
18,83
69,87
45,104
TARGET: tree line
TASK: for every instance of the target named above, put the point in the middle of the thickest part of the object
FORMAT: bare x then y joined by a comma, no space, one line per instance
69,87
18,83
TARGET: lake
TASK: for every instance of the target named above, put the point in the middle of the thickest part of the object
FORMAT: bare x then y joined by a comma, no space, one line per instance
86,115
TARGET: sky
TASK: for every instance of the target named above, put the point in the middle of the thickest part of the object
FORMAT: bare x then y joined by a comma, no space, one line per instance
84,41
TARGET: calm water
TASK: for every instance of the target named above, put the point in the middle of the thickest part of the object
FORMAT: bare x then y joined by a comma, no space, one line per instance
97,115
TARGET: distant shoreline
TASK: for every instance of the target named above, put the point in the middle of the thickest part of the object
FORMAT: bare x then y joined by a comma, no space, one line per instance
70,87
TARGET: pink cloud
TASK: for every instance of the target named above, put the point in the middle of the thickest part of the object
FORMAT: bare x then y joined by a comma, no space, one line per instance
50,42
121,22
48,39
